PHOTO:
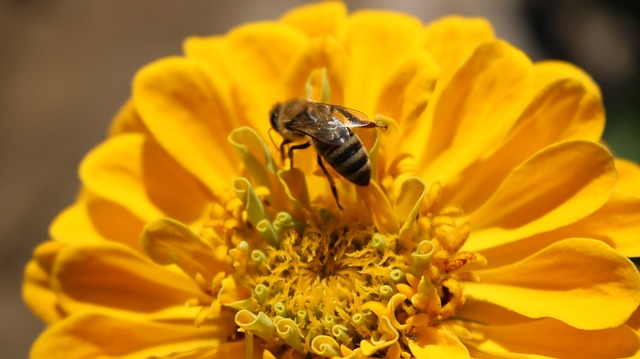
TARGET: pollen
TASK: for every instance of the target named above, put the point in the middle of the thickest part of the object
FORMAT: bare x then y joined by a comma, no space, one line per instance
333,285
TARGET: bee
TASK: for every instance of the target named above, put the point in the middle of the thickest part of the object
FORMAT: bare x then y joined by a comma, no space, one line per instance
328,128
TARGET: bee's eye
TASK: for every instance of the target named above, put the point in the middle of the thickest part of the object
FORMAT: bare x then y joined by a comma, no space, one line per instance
274,115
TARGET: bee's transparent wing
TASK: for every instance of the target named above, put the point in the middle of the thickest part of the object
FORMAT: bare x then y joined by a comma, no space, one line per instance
330,131
348,116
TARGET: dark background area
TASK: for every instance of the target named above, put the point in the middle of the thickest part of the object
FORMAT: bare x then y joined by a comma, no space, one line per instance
66,67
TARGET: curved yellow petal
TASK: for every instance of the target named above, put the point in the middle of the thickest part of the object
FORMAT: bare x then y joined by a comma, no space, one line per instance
634,321
92,335
258,57
318,54
408,89
133,171
167,241
570,111
616,223
564,110
407,204
236,349
233,294
376,41
582,282
210,50
549,71
89,277
320,19
559,185
187,108
466,33
127,120
36,285
91,219
74,223
388,336
628,176
383,215
434,343
474,112
479,311
549,338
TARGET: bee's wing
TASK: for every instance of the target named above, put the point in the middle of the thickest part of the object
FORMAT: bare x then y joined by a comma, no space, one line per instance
330,131
348,116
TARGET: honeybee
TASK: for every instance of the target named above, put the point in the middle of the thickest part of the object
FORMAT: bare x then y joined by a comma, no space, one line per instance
328,128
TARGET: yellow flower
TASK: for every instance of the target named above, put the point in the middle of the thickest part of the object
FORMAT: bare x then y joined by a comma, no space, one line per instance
495,223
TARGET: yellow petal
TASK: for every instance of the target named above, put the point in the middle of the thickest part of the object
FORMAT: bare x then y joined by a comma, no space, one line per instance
91,335
107,276
255,155
434,343
474,112
133,171
294,183
408,89
569,110
376,41
258,56
167,241
91,219
479,311
321,19
582,282
36,286
628,176
75,223
232,292
388,336
408,203
558,186
466,33
634,321
236,349
616,223
127,120
561,111
210,50
550,338
187,108
383,215
320,53
550,71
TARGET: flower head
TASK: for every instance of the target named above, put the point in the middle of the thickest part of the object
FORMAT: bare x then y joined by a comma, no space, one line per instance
494,223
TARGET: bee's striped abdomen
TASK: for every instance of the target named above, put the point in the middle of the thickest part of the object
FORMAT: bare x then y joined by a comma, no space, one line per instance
349,159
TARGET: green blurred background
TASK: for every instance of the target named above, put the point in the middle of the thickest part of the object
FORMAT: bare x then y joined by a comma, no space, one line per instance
66,67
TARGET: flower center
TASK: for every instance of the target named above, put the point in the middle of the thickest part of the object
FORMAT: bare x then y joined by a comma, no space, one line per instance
331,284
321,279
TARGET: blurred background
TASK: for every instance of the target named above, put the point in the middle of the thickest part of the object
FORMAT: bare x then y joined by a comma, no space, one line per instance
66,67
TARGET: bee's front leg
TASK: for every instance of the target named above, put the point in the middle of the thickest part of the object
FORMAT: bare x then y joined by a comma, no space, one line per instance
293,148
284,143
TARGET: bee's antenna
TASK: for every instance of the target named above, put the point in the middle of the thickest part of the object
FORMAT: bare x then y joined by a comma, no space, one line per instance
271,138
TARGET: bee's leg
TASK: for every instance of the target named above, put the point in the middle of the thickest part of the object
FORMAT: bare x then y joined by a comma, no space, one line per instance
296,147
331,182
285,142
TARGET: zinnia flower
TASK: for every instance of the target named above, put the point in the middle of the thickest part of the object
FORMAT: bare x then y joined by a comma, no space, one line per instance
495,224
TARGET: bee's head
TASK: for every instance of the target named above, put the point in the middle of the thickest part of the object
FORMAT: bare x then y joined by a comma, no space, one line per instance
273,117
